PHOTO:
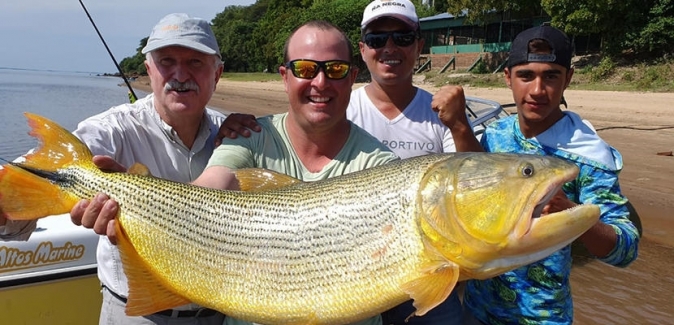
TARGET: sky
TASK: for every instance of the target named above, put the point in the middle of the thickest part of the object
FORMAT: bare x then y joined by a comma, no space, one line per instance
57,34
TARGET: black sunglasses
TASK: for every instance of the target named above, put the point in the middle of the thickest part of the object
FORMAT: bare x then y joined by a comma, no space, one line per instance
378,40
308,69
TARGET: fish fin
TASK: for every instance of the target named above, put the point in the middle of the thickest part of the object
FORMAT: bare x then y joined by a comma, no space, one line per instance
26,196
139,169
433,287
258,179
57,149
29,189
147,294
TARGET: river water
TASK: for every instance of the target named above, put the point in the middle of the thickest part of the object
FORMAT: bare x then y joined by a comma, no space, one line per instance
66,98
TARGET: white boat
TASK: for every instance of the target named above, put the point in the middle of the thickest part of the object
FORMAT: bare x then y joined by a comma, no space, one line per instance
51,278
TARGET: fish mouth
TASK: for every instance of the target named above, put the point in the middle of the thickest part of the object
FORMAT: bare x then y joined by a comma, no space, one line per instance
543,239
538,209
548,192
540,235
543,234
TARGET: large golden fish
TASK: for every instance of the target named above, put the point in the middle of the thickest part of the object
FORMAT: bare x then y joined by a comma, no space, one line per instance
328,252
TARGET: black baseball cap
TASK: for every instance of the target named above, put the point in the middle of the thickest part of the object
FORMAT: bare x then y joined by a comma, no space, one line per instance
558,41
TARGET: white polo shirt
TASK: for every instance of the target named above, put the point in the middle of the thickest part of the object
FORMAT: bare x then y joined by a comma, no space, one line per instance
133,133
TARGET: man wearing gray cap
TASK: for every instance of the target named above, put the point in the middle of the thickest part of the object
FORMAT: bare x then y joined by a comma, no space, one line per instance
171,132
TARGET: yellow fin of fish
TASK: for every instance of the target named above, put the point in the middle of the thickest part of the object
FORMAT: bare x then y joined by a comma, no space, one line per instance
139,169
433,287
258,179
22,194
57,149
147,294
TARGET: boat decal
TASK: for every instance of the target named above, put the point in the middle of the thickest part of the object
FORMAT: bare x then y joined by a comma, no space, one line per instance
46,253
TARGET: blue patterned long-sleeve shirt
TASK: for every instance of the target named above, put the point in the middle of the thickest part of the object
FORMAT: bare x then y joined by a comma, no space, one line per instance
540,293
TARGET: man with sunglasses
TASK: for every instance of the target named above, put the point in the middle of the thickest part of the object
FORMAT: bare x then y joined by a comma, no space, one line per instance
408,120
312,141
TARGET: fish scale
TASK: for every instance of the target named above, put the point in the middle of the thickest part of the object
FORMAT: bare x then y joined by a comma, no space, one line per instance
328,252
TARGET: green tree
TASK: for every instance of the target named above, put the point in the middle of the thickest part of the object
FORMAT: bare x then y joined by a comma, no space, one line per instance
135,65
251,37
483,10
234,31
656,38
611,19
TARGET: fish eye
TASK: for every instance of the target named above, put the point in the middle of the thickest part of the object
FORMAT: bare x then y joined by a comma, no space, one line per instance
528,170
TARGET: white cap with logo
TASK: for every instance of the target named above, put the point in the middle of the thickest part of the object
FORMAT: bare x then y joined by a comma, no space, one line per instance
183,30
400,9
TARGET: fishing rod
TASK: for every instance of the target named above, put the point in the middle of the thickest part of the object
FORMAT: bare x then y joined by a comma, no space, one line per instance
132,95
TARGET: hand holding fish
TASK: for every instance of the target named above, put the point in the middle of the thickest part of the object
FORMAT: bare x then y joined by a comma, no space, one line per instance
97,214
100,212
559,202
599,240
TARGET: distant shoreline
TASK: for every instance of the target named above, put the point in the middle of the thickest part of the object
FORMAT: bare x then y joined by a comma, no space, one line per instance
102,74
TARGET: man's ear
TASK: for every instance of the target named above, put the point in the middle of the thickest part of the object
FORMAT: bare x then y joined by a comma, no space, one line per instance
218,74
147,66
569,74
353,74
284,76
420,48
506,75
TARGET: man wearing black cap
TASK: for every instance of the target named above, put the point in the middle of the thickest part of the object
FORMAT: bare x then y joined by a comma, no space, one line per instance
538,71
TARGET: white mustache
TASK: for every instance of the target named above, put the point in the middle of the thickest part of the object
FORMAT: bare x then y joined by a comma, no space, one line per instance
181,86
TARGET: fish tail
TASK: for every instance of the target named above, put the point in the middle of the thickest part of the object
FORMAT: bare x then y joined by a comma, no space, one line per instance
26,196
58,148
30,189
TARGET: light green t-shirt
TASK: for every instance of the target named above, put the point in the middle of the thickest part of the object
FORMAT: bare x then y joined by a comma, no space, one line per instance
271,149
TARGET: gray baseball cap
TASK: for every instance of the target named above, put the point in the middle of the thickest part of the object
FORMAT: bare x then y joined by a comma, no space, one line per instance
182,30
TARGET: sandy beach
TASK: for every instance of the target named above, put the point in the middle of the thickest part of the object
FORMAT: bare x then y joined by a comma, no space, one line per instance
641,127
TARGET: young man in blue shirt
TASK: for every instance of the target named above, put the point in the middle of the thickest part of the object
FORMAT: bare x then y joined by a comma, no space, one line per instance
538,71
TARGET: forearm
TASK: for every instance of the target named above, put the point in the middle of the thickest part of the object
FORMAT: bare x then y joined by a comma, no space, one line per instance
217,177
615,239
464,139
599,240
19,230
